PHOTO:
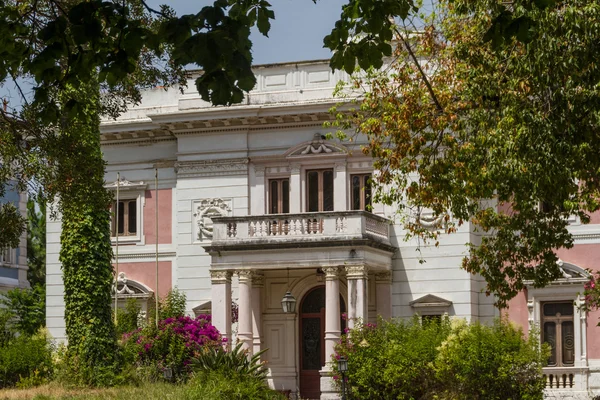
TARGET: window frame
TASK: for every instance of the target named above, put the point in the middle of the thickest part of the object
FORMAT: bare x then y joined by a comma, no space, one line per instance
559,342
11,259
280,207
362,190
129,191
562,290
320,183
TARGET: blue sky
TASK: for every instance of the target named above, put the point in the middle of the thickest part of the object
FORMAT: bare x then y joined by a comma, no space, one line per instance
296,34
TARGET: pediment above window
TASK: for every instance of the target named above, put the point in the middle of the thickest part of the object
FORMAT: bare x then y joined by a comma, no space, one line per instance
130,288
318,146
430,301
124,184
571,274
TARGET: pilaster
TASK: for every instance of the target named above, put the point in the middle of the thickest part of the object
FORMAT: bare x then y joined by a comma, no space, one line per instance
221,302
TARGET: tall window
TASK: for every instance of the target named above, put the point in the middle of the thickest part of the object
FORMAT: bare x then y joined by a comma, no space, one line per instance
6,255
361,192
558,332
319,190
127,212
279,196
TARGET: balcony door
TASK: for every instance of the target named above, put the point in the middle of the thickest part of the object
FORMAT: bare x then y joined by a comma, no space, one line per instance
312,341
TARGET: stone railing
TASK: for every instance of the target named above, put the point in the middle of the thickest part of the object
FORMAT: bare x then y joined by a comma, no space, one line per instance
335,225
565,378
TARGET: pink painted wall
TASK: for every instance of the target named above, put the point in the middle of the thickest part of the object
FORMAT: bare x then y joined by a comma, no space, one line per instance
165,220
587,256
517,310
145,272
582,255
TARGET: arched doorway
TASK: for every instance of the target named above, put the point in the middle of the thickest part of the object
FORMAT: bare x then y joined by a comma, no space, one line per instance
312,341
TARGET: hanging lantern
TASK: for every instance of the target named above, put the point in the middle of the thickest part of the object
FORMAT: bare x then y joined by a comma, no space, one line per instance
288,303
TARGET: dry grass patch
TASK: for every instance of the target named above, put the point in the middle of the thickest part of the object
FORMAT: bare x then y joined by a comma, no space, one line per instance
53,391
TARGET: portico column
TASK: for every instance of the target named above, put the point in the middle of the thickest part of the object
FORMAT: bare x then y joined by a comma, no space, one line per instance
383,293
357,294
332,311
221,302
245,309
257,285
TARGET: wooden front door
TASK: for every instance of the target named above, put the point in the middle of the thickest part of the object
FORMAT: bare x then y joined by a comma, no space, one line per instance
312,341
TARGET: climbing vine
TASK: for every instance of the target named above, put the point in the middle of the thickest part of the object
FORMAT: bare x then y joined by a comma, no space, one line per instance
86,252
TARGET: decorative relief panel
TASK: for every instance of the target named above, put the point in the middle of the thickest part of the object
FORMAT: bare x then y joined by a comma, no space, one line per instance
206,209
234,166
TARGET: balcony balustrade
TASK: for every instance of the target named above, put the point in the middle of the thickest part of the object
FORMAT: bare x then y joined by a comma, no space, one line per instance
305,227
565,378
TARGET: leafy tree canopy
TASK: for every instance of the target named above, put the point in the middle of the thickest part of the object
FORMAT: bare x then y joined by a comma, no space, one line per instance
491,100
489,114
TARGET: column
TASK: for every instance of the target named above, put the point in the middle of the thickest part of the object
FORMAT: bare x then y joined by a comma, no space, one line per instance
221,302
357,294
383,293
295,189
245,309
332,311
257,285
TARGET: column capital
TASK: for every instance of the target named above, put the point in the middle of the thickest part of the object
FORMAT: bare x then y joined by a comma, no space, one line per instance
220,276
258,279
383,276
245,275
331,273
295,168
356,271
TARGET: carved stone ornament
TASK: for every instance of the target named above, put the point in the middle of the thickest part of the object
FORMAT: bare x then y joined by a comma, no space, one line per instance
245,275
124,184
317,146
430,221
220,276
233,166
207,209
331,273
130,287
356,271
383,276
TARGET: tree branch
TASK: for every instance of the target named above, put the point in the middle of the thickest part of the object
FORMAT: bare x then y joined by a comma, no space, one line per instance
421,72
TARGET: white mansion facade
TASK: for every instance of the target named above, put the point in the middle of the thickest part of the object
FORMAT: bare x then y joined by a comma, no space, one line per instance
252,202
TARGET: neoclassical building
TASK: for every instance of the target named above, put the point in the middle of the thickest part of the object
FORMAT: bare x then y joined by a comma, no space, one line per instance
252,204
13,260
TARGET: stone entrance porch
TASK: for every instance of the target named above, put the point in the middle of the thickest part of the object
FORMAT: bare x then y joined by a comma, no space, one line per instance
347,253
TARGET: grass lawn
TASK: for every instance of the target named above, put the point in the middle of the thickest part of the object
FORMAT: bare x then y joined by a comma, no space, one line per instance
155,391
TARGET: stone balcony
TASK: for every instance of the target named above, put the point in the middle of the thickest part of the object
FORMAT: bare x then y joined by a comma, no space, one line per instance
321,229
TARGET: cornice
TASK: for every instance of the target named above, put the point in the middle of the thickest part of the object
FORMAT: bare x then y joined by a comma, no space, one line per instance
161,254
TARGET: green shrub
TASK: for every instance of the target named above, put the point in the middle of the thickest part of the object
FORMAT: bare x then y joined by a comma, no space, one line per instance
443,361
392,360
214,385
172,305
491,362
25,310
128,318
26,358
230,363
